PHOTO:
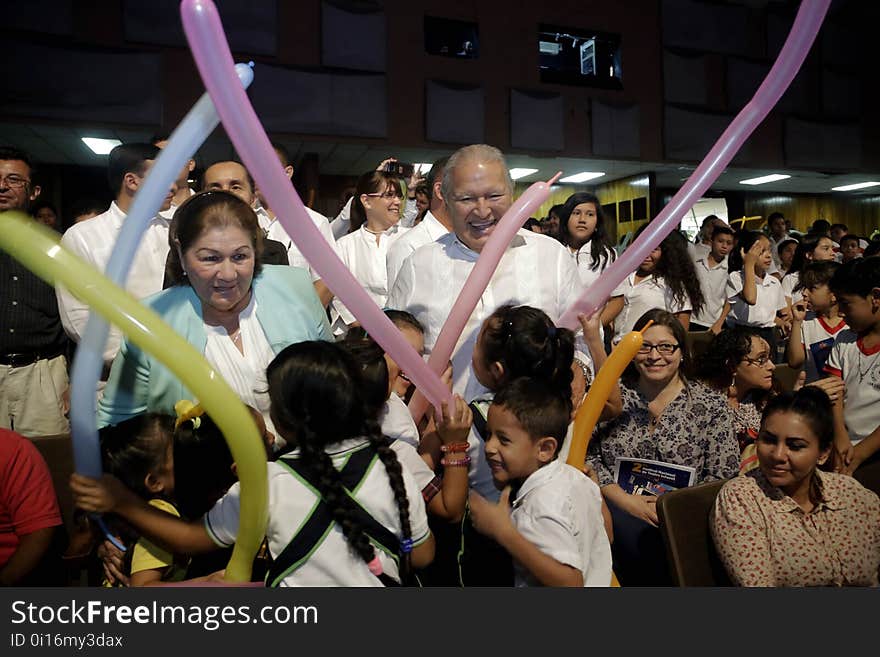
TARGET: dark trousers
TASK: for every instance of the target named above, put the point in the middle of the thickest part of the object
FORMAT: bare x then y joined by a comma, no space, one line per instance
638,551
693,327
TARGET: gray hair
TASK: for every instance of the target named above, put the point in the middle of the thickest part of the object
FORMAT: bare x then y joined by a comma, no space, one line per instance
474,152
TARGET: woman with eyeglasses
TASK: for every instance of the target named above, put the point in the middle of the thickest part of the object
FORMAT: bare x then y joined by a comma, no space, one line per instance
667,417
375,216
738,363
236,311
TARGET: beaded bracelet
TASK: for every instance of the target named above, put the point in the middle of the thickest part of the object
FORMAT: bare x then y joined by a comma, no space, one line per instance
454,447
465,460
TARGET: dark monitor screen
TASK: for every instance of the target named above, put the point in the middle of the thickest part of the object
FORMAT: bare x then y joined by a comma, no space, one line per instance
451,38
577,56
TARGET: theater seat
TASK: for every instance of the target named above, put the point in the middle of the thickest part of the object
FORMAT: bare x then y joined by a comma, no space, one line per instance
868,475
57,451
684,524
699,343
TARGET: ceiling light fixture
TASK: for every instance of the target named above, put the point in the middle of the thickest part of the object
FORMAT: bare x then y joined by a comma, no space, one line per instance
517,173
773,177
849,188
583,176
100,146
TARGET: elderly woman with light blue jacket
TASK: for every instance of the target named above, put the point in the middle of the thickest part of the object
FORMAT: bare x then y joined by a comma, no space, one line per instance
235,311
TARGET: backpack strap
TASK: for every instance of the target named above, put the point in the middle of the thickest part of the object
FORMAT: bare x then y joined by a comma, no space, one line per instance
319,523
481,424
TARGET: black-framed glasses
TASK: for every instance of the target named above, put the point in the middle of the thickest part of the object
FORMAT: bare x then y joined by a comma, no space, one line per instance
664,348
13,181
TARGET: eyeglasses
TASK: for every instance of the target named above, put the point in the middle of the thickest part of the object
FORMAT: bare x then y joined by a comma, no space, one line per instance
664,348
387,195
15,182
760,361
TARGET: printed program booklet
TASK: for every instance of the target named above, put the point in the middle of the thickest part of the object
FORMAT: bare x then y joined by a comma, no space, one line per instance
645,477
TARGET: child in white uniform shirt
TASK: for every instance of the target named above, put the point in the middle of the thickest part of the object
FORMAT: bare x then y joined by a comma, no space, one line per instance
712,272
755,296
320,533
811,339
582,230
855,356
665,280
549,517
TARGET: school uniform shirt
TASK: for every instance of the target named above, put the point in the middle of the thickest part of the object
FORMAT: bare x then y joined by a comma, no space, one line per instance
859,368
332,562
94,241
713,283
275,231
638,298
397,422
583,260
817,337
774,248
535,270
429,230
789,282
365,258
559,511
768,300
426,479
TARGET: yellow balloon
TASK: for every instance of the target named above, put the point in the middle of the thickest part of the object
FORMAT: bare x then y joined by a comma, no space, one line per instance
37,248
606,378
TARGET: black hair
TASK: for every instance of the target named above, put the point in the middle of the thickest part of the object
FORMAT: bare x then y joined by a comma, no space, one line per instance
666,319
849,237
86,205
677,270
370,357
601,249
872,249
435,174
160,136
316,391
12,153
726,351
372,182
808,244
247,174
540,410
814,406
817,273
135,448
839,226
858,277
202,466
820,227
207,209
527,343
128,158
747,239
283,153
403,319
784,244
774,216
722,230
532,224
39,204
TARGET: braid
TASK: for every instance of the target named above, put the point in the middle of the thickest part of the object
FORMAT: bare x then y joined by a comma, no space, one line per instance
395,478
334,494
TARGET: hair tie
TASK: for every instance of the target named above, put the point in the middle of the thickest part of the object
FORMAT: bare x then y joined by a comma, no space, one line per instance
186,410
551,331
375,566
406,545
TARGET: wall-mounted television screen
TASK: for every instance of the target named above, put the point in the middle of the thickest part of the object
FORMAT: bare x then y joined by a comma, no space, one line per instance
569,55
451,38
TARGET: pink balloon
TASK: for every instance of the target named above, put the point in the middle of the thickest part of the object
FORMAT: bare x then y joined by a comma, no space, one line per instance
207,41
479,278
797,45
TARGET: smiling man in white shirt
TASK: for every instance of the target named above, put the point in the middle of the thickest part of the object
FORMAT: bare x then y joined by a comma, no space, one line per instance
94,240
535,270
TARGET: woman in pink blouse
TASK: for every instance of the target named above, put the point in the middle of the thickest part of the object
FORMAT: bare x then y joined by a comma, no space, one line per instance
787,523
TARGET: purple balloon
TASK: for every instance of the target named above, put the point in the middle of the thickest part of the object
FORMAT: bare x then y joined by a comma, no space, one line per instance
797,45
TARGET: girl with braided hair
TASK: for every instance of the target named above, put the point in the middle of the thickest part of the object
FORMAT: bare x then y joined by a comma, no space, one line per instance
342,512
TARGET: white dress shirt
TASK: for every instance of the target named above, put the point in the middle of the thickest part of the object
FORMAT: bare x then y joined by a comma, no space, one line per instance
638,298
94,241
583,259
340,225
364,255
769,298
275,231
536,270
713,282
429,230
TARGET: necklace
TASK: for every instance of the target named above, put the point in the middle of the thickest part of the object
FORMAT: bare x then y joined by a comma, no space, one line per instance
871,363
236,336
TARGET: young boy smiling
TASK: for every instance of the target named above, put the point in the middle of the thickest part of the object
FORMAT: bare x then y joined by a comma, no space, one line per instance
549,517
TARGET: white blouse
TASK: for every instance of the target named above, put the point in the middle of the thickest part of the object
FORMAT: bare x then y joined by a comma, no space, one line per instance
583,258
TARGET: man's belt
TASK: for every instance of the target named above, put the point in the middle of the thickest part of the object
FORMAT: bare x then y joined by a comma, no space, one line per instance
21,359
